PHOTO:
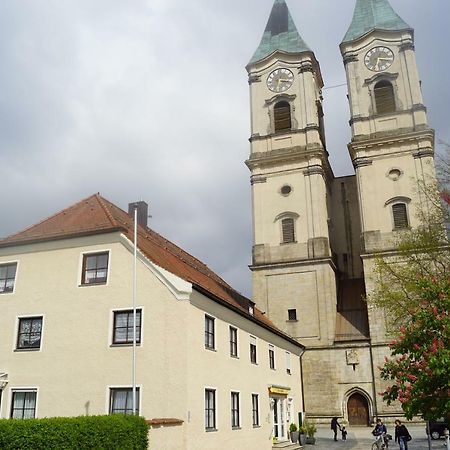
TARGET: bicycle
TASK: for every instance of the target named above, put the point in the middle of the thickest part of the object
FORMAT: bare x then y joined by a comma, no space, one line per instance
381,442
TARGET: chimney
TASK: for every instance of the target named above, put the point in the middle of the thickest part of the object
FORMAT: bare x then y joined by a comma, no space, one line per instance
142,212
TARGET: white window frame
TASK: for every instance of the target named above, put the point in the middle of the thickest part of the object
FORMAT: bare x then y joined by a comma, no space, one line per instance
80,267
123,386
272,348
288,363
8,263
16,333
214,333
111,327
258,411
216,408
13,390
233,395
253,341
237,341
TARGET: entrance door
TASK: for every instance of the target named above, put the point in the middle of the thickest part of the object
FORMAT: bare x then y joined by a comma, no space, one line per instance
358,410
279,426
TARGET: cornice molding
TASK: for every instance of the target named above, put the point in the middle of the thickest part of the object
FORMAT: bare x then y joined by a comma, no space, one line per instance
254,79
362,162
255,179
276,98
314,170
407,46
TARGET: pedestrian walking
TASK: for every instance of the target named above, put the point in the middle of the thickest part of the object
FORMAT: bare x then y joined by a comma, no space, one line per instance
344,433
402,435
334,426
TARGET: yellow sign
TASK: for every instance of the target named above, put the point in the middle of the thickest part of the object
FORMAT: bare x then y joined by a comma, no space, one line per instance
279,390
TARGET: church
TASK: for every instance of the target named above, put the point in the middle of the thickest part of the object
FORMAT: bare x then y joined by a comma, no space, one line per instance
316,236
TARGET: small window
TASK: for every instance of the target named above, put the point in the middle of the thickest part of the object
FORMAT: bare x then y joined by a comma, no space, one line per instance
210,409
233,342
121,401
287,227
384,97
282,116
255,410
29,334
23,405
235,414
7,277
286,190
209,333
253,358
95,268
272,357
123,326
288,362
400,215
292,314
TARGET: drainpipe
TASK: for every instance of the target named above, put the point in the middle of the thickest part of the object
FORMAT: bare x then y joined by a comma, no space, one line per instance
374,391
300,422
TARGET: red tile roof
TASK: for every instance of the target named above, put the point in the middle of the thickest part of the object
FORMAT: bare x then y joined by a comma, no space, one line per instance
96,215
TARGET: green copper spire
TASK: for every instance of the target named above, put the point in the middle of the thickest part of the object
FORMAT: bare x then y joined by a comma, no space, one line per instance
280,34
372,15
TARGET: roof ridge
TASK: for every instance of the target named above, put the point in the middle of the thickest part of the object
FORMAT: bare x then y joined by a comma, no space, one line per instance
108,213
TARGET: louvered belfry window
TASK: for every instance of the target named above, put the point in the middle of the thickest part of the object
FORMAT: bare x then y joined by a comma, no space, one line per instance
400,216
287,226
384,97
282,116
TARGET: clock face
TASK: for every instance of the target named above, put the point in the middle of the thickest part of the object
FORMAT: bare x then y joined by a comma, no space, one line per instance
379,59
280,80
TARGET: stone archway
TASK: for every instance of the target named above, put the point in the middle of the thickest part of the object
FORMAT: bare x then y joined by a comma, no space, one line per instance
358,409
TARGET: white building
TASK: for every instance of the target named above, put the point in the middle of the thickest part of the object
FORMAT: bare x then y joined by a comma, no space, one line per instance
212,370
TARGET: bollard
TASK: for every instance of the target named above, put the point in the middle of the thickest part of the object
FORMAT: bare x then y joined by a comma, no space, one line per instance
447,440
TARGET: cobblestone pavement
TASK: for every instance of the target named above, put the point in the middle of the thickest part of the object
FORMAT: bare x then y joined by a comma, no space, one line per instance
361,439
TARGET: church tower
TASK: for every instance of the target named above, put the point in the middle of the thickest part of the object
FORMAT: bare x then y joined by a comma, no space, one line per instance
293,275
316,236
392,144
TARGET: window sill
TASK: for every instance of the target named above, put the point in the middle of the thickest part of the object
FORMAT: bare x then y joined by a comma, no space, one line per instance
20,350
256,426
210,349
236,428
211,430
6,292
100,283
254,363
291,320
234,356
272,368
128,344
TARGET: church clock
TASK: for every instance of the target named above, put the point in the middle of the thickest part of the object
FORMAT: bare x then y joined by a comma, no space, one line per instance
379,59
280,80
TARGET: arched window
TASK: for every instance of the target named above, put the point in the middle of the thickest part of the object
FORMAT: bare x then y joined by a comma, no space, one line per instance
400,215
384,97
282,116
288,230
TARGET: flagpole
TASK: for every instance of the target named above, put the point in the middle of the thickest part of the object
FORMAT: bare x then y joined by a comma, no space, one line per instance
134,309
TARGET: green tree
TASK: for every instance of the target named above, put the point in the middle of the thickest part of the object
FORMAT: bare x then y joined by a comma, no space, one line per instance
413,288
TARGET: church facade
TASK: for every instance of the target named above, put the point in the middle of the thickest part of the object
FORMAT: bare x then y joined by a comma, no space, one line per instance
316,236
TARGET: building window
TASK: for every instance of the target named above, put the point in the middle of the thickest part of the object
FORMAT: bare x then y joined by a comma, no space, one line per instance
272,357
253,350
255,410
233,342
123,326
288,362
400,215
210,409
384,97
95,268
292,314
287,229
235,419
7,277
209,332
121,401
23,405
29,333
282,116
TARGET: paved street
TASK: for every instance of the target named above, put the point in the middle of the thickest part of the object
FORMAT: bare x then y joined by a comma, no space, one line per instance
360,438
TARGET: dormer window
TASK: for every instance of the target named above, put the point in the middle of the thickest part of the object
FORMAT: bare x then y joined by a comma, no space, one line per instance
282,116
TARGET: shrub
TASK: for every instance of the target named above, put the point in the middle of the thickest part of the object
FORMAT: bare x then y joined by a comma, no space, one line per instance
75,433
293,427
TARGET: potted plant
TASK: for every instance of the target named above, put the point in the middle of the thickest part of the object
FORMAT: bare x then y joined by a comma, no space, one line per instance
302,434
293,431
310,431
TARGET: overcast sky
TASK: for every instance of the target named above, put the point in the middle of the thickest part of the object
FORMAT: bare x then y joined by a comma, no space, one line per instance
148,99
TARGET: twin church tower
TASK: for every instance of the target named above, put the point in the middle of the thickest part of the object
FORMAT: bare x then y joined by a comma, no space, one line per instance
316,235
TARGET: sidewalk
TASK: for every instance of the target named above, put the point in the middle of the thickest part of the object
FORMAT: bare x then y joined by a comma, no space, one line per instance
360,438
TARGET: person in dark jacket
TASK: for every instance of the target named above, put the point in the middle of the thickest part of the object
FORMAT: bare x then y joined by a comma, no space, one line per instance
334,426
380,432
402,435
